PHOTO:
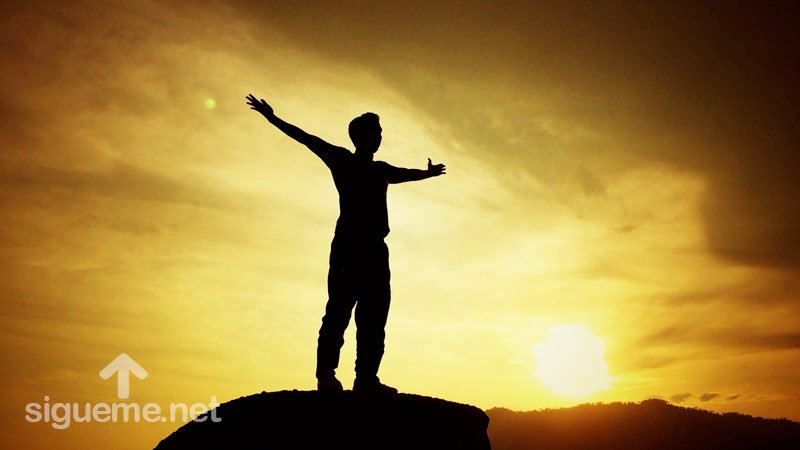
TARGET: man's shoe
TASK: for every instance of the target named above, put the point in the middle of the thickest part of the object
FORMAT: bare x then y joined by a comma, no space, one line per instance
373,387
329,384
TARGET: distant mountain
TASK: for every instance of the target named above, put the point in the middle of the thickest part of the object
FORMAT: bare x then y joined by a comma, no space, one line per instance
347,421
651,425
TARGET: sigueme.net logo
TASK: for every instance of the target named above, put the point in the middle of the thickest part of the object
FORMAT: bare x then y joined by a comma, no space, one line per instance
62,415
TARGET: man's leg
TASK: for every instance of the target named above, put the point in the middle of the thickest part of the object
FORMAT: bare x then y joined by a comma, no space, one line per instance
372,310
340,304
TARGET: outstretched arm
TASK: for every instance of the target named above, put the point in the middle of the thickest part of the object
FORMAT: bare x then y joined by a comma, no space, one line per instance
401,175
314,143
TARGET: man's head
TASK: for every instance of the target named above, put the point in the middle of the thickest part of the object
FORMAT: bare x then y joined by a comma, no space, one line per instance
365,132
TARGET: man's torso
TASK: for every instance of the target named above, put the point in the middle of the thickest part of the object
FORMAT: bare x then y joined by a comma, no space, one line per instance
362,186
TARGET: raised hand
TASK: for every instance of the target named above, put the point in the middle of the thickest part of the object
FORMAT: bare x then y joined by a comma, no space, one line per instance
260,106
436,169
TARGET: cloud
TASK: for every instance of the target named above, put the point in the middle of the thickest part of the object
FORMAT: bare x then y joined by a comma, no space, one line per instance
722,338
562,86
123,181
680,398
708,396
600,153
58,374
733,397
576,99
762,341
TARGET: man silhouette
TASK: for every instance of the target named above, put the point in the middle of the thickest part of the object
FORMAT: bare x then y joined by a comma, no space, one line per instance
358,276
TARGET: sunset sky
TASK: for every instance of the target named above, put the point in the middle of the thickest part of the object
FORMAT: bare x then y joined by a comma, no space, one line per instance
629,168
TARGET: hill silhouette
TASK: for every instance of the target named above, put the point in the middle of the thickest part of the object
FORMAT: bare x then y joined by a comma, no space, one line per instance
652,425
342,420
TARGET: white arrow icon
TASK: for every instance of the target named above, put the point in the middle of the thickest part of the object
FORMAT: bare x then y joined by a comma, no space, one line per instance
123,365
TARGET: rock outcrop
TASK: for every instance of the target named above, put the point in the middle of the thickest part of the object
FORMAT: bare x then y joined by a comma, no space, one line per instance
347,420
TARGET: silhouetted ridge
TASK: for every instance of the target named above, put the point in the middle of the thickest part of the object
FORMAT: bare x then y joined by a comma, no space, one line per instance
346,420
651,424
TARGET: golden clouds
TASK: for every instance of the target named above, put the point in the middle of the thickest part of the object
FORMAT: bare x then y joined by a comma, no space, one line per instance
596,173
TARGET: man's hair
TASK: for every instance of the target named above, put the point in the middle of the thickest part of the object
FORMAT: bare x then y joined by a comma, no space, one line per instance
362,123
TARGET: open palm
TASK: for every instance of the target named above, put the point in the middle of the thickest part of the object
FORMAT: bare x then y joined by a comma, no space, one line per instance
436,169
259,105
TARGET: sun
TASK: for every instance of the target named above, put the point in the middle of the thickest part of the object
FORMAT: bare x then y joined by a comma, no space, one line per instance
570,362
